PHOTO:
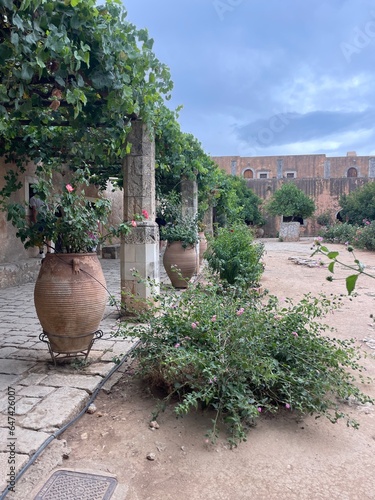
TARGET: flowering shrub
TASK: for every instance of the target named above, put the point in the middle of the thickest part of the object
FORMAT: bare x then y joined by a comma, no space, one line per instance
244,354
358,236
67,218
340,233
365,236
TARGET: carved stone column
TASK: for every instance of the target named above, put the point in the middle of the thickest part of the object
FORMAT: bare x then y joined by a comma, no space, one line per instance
208,220
189,197
189,201
140,248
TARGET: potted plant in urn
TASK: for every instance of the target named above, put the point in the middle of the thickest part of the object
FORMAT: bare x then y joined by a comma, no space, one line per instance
180,258
70,293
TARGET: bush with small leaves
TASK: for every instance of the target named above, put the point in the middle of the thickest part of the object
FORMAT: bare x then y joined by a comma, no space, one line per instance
244,354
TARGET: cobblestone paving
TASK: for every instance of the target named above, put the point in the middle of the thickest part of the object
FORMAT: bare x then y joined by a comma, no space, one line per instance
36,397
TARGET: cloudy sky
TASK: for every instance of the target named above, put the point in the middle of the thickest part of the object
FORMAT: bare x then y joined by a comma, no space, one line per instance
271,77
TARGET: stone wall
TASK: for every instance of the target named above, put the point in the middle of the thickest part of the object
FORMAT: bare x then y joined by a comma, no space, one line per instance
18,273
302,166
11,248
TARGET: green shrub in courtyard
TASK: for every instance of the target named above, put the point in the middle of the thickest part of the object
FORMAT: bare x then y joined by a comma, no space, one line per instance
340,233
245,355
233,254
365,236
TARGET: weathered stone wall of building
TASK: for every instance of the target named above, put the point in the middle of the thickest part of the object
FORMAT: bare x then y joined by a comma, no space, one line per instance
302,166
11,248
325,193
322,178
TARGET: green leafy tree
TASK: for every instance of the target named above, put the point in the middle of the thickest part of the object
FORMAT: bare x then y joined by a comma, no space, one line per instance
359,205
236,202
290,201
72,77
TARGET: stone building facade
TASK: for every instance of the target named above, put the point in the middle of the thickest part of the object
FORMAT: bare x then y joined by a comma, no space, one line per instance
322,178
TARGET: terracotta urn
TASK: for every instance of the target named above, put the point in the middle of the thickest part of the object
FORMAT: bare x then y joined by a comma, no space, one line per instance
70,297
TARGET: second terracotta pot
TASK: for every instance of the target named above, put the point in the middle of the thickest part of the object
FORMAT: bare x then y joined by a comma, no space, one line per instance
179,263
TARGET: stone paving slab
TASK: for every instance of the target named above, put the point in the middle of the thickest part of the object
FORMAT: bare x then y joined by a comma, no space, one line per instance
101,369
27,441
25,405
15,366
7,380
55,410
4,403
34,391
33,378
78,381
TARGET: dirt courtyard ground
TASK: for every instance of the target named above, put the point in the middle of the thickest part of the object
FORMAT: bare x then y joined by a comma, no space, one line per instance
284,457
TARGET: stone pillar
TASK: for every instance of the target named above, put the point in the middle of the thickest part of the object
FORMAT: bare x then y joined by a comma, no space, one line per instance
140,248
208,220
189,202
189,197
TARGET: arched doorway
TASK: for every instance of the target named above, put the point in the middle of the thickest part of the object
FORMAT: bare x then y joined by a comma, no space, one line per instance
248,174
352,172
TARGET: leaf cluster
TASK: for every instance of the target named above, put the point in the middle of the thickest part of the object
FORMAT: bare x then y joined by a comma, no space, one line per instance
72,76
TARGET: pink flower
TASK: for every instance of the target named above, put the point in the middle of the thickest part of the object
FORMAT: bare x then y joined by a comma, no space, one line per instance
240,311
69,188
145,214
287,406
133,223
295,334
213,319
177,345
259,409
194,325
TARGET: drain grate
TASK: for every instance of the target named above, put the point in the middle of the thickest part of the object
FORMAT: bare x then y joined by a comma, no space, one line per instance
70,485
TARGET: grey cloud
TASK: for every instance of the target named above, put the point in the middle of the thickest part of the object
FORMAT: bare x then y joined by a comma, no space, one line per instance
287,128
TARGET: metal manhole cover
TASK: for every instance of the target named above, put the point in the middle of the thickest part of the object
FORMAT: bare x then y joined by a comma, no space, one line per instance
70,485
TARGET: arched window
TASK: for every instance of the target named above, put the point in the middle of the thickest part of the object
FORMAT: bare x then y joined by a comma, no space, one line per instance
352,172
248,174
